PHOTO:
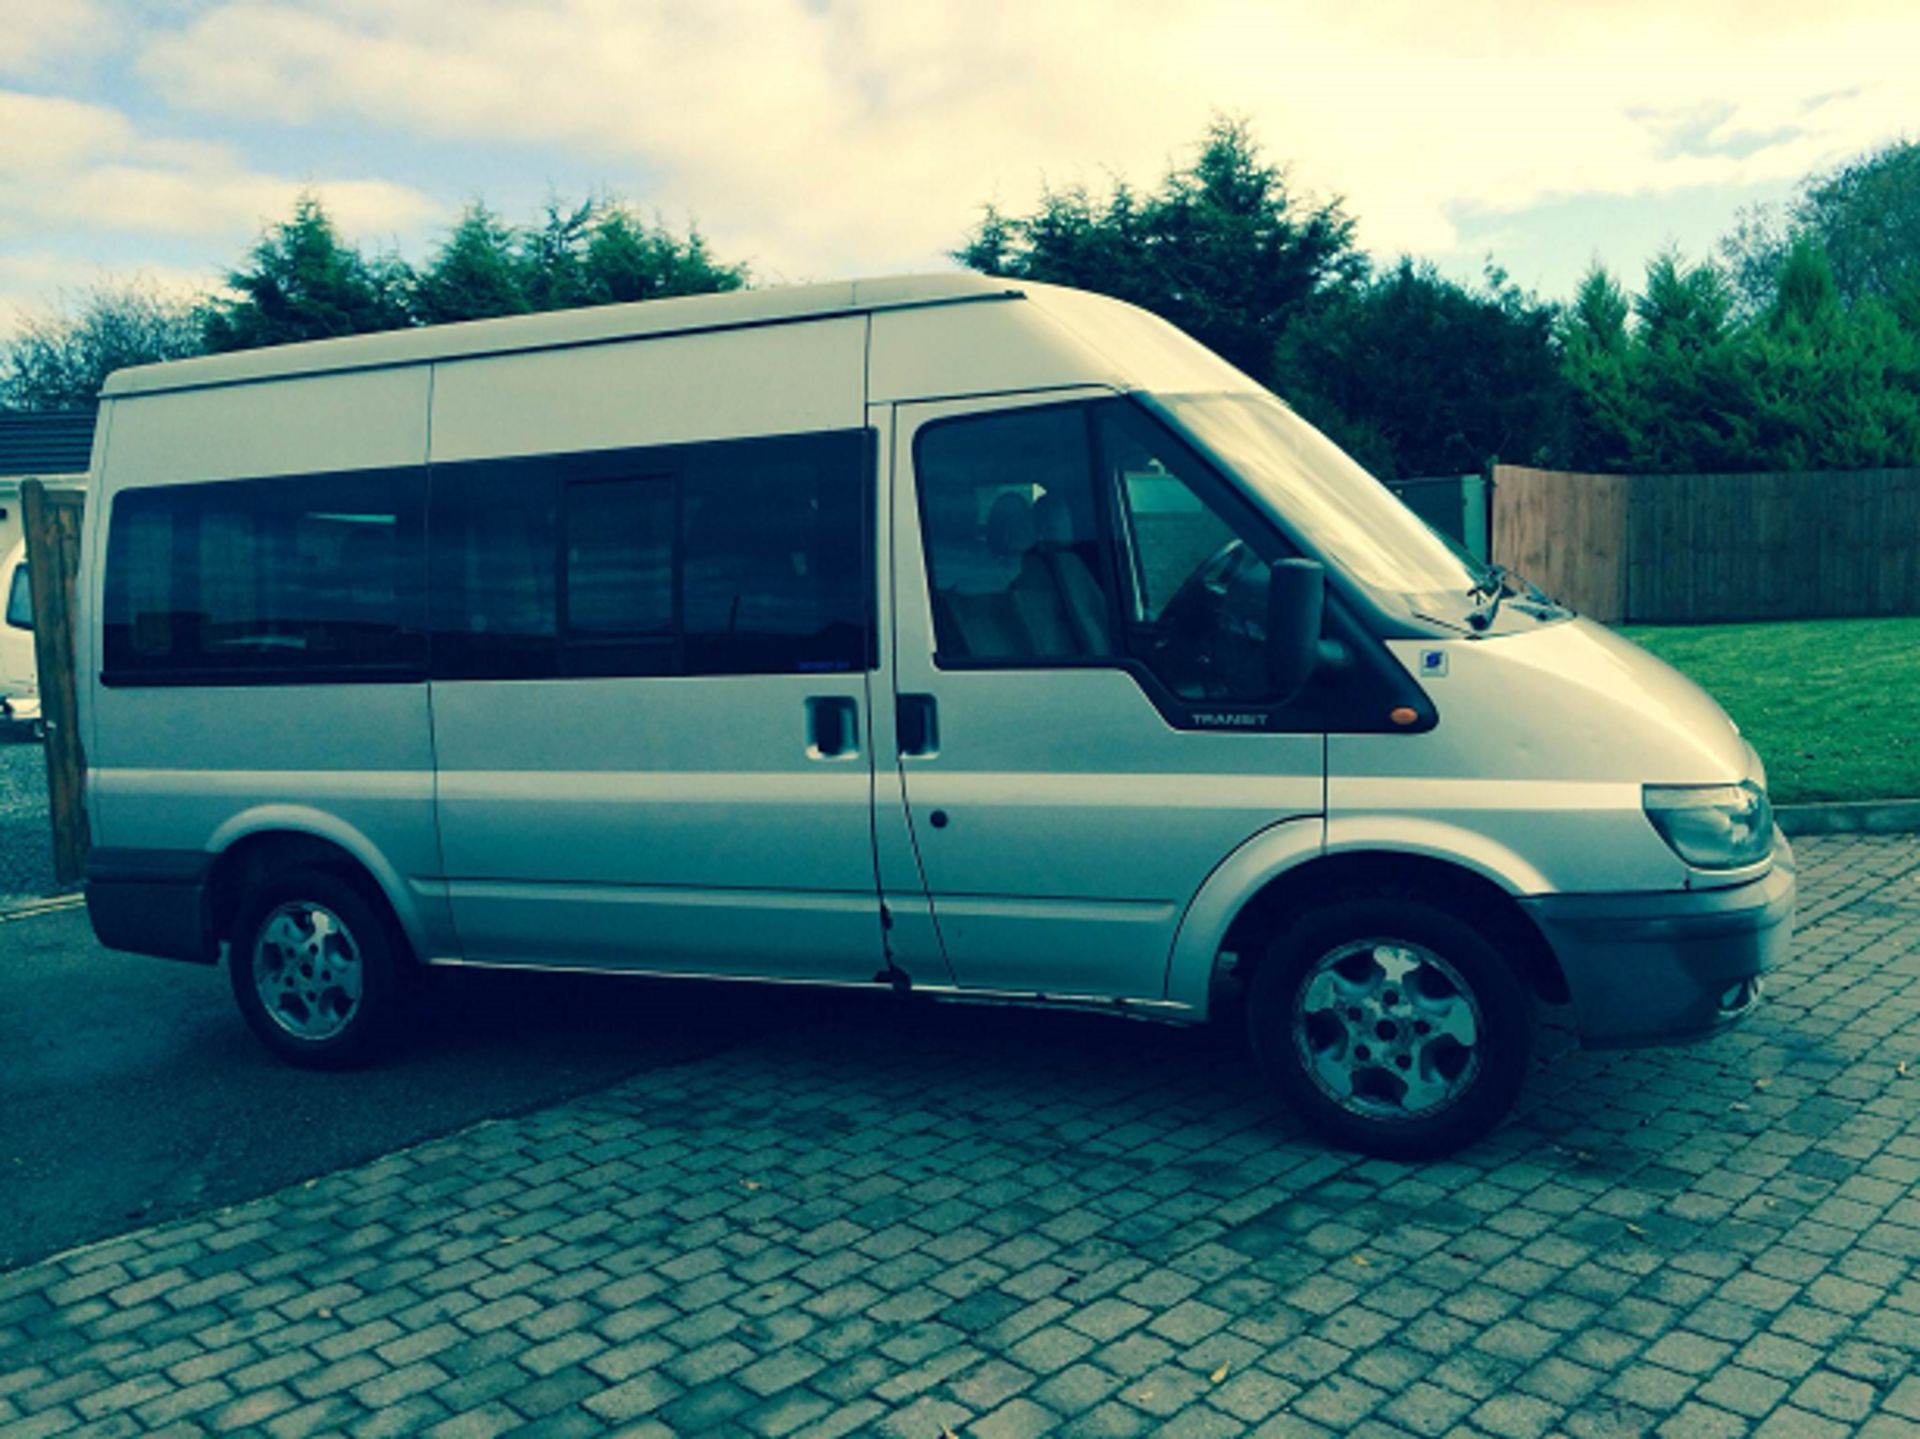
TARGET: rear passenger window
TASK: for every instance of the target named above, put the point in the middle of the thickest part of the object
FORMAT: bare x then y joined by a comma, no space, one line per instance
618,572
495,573
774,542
741,557
620,558
311,577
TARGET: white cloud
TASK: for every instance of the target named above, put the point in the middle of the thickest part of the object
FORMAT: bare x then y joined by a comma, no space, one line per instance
39,284
81,165
826,137
82,186
42,36
821,138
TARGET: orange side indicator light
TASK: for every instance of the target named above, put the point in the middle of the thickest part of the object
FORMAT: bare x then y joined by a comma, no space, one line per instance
1404,715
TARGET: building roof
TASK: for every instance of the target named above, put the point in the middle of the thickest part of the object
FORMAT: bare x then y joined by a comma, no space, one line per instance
555,329
45,442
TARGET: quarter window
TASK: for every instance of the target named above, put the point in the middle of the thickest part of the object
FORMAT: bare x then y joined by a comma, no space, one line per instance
301,577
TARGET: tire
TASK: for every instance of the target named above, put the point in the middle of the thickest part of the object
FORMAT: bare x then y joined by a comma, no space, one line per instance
1391,1025
314,966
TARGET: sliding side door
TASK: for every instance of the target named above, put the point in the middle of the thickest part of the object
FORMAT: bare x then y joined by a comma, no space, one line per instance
652,663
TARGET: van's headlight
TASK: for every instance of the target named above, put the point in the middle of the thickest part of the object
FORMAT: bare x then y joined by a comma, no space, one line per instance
1713,826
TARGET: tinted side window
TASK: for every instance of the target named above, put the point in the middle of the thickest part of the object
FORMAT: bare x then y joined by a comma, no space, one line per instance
617,576
263,581
743,557
20,600
620,559
774,542
495,574
1008,514
1195,564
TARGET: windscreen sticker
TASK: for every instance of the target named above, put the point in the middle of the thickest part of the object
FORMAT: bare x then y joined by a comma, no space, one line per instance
1433,664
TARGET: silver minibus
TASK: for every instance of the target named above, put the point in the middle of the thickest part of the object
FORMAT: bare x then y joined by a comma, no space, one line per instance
968,637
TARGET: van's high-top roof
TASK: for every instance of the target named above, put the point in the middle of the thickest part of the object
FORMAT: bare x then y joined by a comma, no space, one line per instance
599,324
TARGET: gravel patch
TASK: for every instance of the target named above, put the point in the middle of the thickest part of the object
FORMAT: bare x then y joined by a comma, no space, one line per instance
26,844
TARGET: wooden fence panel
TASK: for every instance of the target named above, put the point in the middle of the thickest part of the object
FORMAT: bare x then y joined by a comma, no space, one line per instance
53,563
1567,533
1695,549
1651,530
1896,587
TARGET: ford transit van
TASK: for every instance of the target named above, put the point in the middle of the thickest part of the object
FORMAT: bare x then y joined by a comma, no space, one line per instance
966,637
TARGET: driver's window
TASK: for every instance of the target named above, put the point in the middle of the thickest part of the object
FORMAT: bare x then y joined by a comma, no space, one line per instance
1008,512
1194,588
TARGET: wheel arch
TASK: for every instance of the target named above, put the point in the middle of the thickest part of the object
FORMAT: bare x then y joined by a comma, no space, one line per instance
250,854
1280,872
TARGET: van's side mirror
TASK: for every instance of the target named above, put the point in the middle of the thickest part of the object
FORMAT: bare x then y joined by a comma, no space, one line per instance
1296,604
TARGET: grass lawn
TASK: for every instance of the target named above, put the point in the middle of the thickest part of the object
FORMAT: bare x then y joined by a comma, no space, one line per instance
1833,706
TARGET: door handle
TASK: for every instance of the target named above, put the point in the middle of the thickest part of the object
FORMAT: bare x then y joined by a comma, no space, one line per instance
833,727
916,722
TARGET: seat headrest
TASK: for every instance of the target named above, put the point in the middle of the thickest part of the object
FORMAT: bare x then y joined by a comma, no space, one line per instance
1052,520
1010,525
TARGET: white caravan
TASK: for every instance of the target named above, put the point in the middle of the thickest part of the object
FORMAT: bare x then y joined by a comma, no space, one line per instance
973,637
19,672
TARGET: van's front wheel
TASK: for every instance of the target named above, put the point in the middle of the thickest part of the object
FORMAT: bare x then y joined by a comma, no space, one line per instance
1391,1025
312,966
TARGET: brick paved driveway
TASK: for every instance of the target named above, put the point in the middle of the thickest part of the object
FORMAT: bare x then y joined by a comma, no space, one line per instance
906,1222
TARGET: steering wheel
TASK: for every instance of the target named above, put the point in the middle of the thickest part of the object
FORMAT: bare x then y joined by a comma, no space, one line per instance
1189,627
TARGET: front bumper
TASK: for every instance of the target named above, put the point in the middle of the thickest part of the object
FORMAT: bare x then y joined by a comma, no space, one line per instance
1667,968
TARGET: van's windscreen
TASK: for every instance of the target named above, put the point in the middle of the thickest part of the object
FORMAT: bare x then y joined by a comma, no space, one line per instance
1338,508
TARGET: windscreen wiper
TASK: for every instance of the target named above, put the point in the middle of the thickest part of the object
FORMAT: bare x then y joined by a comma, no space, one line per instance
1492,587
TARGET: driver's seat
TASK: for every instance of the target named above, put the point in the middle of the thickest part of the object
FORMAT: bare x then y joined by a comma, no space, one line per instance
1081,597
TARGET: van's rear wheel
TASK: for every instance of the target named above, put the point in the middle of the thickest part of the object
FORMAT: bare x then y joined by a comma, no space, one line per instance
1391,1025
312,965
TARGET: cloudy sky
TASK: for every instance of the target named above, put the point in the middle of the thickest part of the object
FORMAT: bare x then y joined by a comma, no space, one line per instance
825,138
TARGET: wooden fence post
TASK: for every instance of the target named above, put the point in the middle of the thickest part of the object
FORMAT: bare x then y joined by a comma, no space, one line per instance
53,562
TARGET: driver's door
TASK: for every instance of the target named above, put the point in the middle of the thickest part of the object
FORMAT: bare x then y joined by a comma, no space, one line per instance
1082,736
